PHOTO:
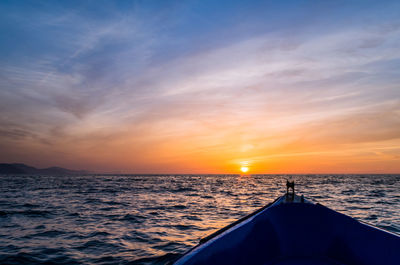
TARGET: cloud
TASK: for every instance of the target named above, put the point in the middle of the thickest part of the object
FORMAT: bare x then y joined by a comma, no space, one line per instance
151,80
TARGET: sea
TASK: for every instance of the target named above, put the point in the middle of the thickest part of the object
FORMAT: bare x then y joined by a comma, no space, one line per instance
153,219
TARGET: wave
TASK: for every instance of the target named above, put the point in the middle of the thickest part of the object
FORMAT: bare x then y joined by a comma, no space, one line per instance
152,219
49,234
28,213
156,260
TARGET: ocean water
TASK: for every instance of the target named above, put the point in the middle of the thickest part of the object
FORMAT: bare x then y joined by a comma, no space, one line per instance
154,219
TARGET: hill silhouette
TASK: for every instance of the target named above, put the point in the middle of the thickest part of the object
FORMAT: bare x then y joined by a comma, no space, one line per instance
18,168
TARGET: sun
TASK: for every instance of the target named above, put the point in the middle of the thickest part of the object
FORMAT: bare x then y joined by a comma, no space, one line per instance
244,169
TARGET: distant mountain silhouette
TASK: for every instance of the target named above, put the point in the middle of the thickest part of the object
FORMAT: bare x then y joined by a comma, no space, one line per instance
25,169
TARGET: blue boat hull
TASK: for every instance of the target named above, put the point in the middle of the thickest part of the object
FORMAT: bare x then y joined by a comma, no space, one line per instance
297,233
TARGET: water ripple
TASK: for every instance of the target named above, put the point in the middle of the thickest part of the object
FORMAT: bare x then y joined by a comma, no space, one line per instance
152,219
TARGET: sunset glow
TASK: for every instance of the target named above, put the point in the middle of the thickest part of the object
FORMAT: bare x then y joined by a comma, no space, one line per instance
199,87
244,169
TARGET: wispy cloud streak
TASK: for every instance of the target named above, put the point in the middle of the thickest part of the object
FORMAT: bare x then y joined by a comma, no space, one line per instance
146,88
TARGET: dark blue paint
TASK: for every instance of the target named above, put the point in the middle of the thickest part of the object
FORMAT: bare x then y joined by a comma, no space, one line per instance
299,233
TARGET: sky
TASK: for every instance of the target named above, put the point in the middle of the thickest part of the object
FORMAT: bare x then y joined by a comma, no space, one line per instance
201,86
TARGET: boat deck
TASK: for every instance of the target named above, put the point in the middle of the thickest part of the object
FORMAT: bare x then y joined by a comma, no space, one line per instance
295,231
